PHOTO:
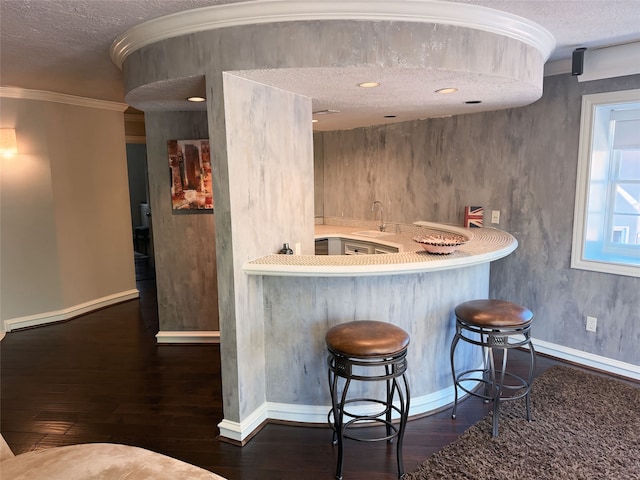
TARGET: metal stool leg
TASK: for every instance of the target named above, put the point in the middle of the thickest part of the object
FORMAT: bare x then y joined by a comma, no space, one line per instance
456,338
330,419
532,369
391,386
340,429
333,384
488,375
498,392
404,415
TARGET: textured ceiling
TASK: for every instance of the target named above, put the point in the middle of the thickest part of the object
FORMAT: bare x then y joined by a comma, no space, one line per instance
63,45
403,94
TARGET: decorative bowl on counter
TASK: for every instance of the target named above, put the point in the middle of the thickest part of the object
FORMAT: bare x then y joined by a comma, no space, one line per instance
441,243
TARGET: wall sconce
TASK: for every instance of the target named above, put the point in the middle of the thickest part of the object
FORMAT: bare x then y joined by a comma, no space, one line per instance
8,144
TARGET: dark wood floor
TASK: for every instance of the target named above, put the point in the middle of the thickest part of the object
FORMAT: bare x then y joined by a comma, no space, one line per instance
102,378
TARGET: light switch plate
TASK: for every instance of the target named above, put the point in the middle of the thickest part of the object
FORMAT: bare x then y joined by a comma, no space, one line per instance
495,216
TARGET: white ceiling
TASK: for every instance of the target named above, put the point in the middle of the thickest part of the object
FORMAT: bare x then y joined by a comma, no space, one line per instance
63,45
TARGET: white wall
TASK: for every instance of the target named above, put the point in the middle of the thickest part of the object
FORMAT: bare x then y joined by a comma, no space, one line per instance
29,263
66,244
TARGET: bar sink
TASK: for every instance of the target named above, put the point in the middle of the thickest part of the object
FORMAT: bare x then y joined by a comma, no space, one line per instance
372,233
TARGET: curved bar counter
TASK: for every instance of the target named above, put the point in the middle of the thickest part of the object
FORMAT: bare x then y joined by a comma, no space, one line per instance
485,245
305,295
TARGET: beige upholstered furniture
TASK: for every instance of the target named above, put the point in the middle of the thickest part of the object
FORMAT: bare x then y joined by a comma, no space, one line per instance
96,461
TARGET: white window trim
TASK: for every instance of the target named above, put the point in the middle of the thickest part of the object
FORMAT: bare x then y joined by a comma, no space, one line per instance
589,104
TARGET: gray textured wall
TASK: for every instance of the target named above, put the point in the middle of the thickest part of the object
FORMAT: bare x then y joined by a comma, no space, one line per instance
522,162
270,179
184,244
299,311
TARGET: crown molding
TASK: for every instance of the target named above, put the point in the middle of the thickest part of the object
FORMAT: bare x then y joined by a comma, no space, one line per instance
45,96
139,139
212,336
558,67
611,62
601,63
270,11
134,117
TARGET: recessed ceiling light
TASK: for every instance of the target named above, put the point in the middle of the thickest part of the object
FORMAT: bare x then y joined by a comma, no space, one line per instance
197,99
325,112
472,102
315,120
447,90
369,84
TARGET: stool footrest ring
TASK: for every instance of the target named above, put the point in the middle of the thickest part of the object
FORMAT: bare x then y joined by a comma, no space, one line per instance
521,389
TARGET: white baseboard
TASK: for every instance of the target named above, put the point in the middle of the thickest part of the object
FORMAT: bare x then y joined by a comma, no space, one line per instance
419,405
587,359
45,318
298,413
318,413
242,430
190,336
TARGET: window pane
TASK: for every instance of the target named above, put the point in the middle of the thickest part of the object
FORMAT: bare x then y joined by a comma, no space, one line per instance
597,197
607,216
626,230
600,167
627,198
594,228
626,132
629,164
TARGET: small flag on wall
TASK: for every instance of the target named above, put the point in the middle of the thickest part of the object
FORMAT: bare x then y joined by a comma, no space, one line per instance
473,217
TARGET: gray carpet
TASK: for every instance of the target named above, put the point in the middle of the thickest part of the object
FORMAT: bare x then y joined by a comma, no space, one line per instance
584,427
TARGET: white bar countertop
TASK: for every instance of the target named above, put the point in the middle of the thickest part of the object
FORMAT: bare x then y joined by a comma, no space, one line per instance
485,245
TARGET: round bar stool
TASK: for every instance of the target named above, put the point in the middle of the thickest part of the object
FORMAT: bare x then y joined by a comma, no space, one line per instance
368,351
493,325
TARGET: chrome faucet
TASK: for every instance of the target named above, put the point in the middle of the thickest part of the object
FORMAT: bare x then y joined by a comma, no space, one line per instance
382,225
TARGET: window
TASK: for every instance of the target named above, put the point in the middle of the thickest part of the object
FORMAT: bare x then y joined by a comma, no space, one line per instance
606,232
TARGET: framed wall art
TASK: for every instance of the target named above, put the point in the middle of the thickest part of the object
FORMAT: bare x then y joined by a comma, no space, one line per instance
190,174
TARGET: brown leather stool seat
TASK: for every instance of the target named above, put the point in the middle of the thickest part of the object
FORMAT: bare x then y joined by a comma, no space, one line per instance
367,338
493,313
493,324
368,351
